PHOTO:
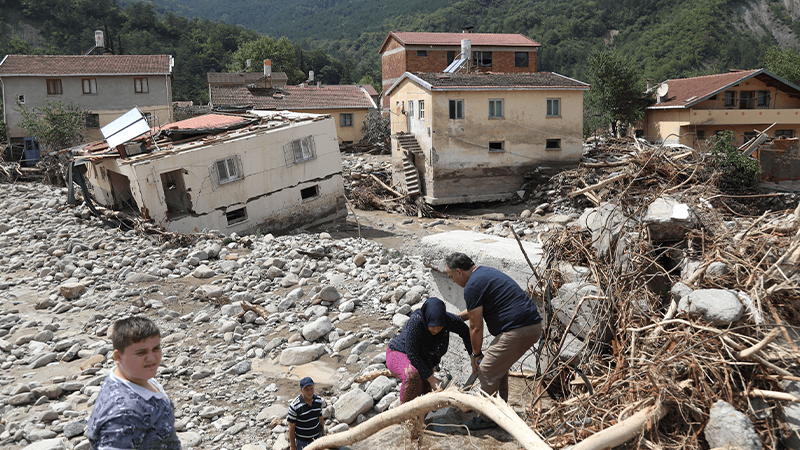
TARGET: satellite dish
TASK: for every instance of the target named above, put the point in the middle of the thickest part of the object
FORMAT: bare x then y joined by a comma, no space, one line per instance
662,90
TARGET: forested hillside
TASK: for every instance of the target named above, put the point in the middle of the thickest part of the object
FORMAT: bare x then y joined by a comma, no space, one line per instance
339,39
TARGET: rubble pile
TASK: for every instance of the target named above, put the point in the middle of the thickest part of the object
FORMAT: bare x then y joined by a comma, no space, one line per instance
671,301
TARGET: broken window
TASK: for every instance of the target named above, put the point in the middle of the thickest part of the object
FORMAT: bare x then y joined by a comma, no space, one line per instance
763,98
422,53
92,120
89,85
54,86
553,144
300,150
482,59
140,86
176,197
495,108
226,171
496,146
784,134
346,120
520,59
21,99
422,109
456,109
730,98
236,216
309,192
553,107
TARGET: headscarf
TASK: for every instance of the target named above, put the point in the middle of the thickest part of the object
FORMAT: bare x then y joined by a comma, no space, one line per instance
434,313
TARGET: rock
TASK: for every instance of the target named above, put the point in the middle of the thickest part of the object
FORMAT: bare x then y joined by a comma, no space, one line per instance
413,296
359,260
203,271
320,327
189,439
718,306
52,391
728,427
572,350
47,444
351,404
96,359
605,222
140,278
591,319
525,214
379,387
717,269
210,411
329,294
240,368
345,342
21,399
296,356
271,412
668,220
400,320
43,360
384,403
71,290
76,428
680,290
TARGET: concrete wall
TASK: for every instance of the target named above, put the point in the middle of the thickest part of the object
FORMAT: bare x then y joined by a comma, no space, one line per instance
354,133
270,190
115,96
458,166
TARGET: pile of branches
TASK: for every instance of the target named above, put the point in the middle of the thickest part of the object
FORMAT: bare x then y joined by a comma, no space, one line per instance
657,364
373,190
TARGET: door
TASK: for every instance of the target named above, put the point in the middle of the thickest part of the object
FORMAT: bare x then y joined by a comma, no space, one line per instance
416,123
32,153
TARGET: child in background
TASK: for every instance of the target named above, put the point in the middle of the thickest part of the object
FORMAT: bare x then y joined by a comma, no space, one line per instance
132,410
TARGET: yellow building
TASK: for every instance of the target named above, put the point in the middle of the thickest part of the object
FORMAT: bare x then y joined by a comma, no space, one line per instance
469,137
690,110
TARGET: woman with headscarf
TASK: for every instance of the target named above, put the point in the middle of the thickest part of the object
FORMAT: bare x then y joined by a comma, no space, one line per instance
413,354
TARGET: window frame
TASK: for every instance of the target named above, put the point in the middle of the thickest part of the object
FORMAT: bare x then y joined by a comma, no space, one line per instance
300,150
456,109
422,53
763,99
501,149
228,163
410,110
788,134
479,59
92,120
554,104
700,135
143,86
493,103
422,109
730,99
451,56
54,86
345,120
517,62
236,216
548,147
89,86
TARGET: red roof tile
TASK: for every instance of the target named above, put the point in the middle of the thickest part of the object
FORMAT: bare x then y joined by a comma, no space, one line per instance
679,91
212,120
32,65
496,81
478,39
292,98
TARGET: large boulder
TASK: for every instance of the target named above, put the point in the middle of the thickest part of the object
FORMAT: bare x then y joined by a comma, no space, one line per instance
605,222
728,427
318,328
668,220
296,356
351,404
718,306
587,317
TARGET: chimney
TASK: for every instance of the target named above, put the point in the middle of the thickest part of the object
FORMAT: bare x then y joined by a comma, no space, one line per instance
467,29
466,51
247,64
267,68
310,75
651,82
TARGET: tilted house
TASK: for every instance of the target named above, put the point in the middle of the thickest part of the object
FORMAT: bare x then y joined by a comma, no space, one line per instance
272,171
468,137
106,85
404,51
348,104
691,110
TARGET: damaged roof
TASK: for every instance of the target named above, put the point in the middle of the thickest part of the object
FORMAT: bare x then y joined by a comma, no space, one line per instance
450,39
292,97
208,121
66,65
242,78
487,81
687,92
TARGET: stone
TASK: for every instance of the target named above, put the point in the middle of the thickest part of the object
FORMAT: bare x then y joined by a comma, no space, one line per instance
76,428
384,403
137,277
296,356
329,294
351,404
189,439
717,269
359,260
605,222
21,399
318,328
590,315
47,444
43,360
345,342
96,359
203,271
728,427
413,296
668,220
52,391
680,290
718,306
400,320
379,387
271,412
240,368
71,290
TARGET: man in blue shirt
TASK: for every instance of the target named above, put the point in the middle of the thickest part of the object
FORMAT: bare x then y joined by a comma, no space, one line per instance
305,417
510,315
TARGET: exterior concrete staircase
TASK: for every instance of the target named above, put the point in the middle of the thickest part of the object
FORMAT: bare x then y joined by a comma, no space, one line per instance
411,176
409,142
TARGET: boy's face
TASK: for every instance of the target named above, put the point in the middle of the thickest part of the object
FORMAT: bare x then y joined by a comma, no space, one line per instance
139,361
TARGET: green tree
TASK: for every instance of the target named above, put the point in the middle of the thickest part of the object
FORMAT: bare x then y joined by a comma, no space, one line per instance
56,126
783,63
617,90
281,52
738,171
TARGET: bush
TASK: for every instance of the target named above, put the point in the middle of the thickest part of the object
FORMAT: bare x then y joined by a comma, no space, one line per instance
738,170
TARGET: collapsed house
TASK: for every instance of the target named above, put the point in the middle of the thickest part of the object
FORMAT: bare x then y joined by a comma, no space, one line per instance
265,171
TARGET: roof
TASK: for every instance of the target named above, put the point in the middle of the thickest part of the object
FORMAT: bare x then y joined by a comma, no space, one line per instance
65,65
450,39
487,81
370,90
208,121
687,92
293,97
242,77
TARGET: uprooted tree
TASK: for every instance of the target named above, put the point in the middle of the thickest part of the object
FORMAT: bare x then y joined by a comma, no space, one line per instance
738,171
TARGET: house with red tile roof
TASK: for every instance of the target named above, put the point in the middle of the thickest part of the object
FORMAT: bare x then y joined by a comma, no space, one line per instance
470,137
690,110
348,104
106,85
404,51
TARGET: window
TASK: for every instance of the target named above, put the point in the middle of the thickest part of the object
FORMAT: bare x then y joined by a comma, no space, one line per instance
482,59
730,98
422,53
495,147
89,85
784,134
456,109
520,59
553,107
411,108
451,56
346,120
701,135
140,86
236,216
54,86
496,109
226,170
553,144
748,135
21,99
92,120
309,192
422,109
299,150
763,98
746,99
